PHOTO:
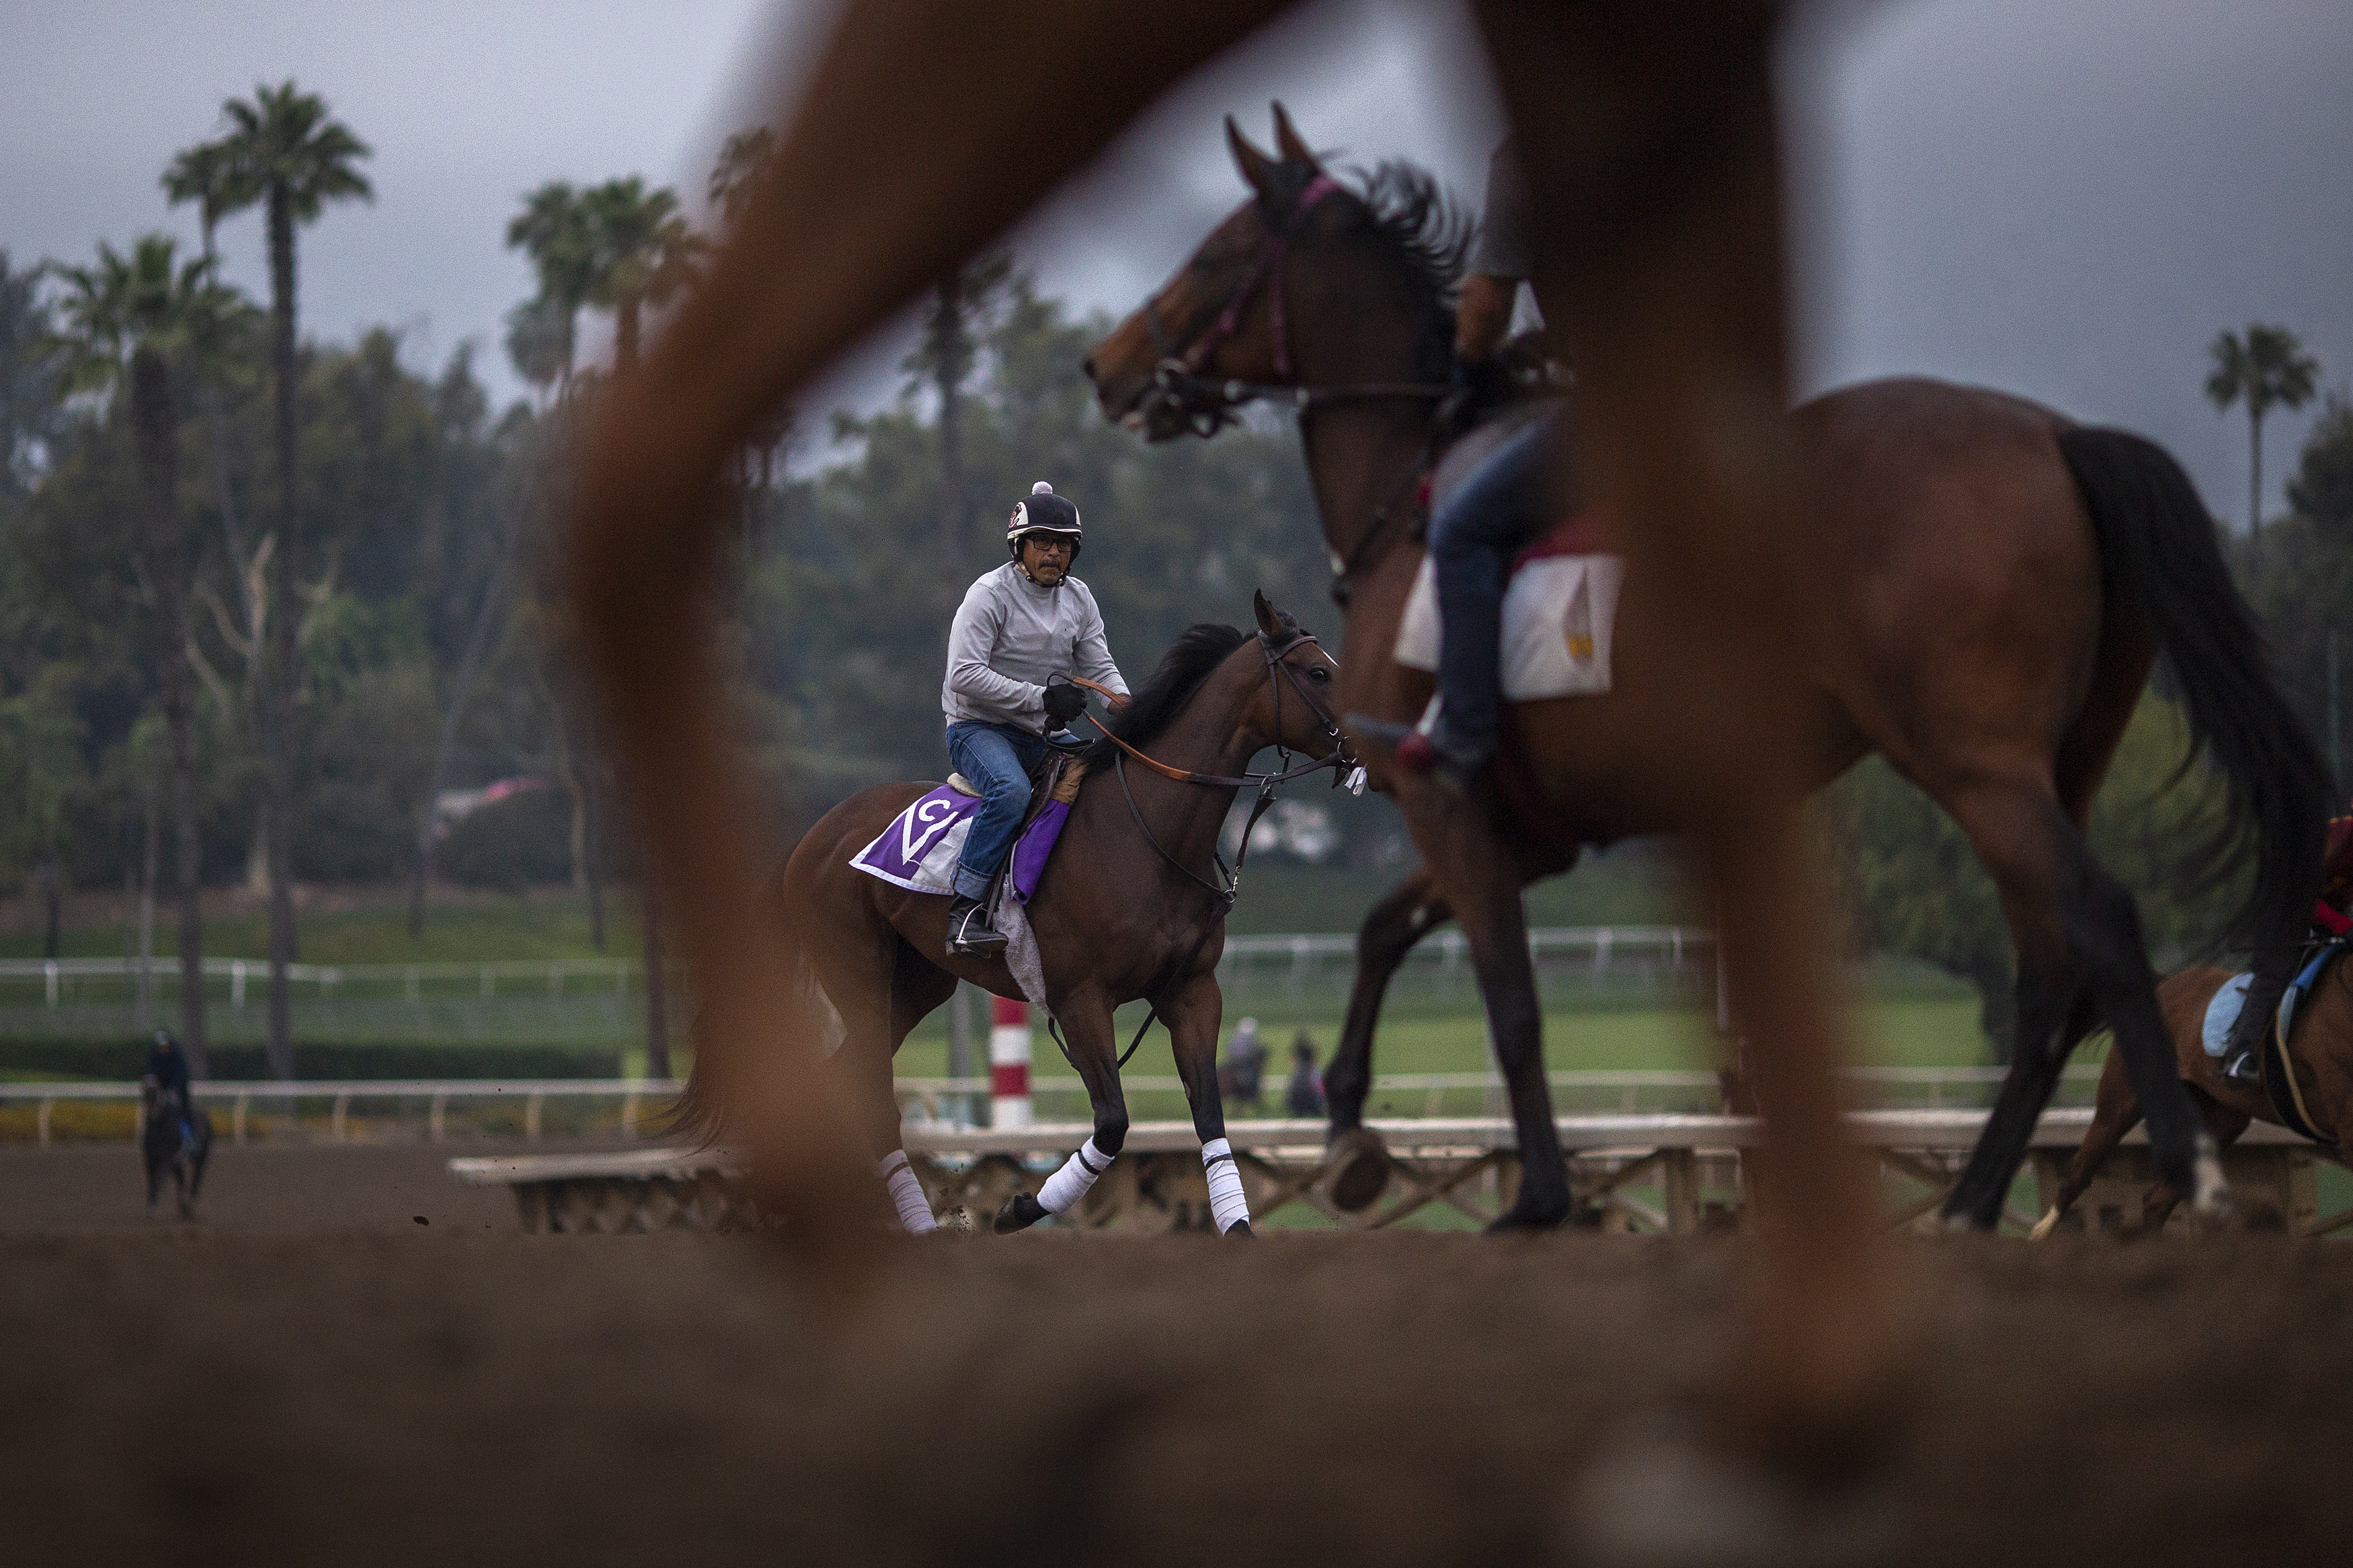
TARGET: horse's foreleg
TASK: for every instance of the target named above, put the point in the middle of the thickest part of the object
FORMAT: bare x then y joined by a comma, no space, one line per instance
1405,914
2115,1113
1193,1015
1087,1024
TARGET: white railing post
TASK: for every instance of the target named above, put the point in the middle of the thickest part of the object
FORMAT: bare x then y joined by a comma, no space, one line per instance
335,1127
45,1106
629,1115
49,976
236,1120
531,1114
236,982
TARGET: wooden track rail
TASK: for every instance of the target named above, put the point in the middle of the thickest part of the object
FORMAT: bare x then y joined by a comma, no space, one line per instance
1673,1175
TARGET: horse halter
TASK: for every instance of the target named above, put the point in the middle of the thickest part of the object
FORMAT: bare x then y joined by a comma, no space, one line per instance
1207,404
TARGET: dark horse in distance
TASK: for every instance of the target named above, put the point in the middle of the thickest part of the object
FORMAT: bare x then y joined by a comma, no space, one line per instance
175,1138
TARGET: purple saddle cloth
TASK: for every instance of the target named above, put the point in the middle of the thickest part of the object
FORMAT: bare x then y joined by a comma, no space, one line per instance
919,849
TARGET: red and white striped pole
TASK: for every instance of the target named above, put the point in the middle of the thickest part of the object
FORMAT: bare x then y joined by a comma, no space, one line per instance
1009,1065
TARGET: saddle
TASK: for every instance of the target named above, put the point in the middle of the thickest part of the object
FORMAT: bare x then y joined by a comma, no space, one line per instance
1054,783
2278,1068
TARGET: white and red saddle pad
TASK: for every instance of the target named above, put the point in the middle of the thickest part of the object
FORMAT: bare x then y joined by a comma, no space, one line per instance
1558,611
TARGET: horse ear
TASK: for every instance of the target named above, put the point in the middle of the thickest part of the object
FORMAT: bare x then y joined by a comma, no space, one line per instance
1287,141
1270,620
1256,166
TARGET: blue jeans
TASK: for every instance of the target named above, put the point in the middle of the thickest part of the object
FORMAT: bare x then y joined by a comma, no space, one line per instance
996,758
1507,500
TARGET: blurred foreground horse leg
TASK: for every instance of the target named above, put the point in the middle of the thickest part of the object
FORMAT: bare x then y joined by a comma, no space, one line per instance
1648,133
910,148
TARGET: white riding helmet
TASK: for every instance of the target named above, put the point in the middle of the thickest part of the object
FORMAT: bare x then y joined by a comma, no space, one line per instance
1043,511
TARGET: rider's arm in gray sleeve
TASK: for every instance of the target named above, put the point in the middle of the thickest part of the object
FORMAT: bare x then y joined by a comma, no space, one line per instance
971,638
1091,652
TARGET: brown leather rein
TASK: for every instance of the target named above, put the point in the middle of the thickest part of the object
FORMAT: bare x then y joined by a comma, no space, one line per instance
1342,757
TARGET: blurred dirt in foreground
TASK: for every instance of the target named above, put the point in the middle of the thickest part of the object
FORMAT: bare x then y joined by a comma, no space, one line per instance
363,1389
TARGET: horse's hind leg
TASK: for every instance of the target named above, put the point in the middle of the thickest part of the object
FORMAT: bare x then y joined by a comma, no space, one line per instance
918,986
1193,1015
2075,926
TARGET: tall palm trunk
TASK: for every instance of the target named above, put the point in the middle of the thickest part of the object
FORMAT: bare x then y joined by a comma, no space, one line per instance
157,429
2255,480
278,702
625,358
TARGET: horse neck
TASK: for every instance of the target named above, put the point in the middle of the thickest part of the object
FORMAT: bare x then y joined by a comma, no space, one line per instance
1362,457
1205,737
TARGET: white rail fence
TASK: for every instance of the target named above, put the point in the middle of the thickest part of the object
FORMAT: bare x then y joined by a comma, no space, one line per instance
643,1103
1283,961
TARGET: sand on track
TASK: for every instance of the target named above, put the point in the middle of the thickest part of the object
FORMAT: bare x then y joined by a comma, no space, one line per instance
363,1389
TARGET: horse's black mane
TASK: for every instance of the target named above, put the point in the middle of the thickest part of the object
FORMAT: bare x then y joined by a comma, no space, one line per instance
1416,219
1198,650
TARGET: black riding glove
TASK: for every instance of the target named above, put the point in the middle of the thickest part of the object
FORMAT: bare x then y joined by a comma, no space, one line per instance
1064,702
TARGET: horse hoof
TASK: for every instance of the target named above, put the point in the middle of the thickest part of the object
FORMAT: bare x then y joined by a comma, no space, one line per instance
1021,1212
1356,1169
1517,1221
1241,1228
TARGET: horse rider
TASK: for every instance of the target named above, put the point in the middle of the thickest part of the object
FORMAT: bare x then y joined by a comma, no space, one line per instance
167,1067
1022,630
2243,1055
1509,499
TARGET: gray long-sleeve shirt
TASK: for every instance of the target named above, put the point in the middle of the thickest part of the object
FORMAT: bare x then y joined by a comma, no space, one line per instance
1009,636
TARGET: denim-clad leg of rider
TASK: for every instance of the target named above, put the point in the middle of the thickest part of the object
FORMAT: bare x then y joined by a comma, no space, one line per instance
1505,503
996,760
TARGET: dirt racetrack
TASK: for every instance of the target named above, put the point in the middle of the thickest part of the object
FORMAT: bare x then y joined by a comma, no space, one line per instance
311,1376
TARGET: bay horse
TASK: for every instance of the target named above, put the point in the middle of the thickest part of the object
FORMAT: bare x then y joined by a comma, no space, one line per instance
165,1149
1131,905
2321,1056
1987,586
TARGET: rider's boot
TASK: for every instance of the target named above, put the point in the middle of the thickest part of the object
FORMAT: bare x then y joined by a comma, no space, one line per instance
2242,1062
969,934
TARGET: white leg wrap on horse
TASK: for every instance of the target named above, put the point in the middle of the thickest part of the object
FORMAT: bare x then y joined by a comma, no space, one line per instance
907,1194
1227,1200
1069,1185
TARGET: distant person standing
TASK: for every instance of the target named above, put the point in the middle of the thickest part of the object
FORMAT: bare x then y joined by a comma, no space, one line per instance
1303,1097
1242,1080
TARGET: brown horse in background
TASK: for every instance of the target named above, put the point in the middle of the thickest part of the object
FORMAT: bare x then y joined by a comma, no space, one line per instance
1986,588
2320,1055
1126,910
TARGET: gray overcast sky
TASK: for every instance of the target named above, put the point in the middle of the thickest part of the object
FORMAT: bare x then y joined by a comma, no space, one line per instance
2067,200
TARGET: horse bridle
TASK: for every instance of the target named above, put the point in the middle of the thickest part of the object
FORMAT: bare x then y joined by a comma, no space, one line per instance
1208,403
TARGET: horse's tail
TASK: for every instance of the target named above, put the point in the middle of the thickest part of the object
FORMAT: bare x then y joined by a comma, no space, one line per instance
2157,545
696,1113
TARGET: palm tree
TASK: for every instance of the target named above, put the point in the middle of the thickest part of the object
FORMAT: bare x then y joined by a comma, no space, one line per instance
282,153
645,253
2265,367
555,230
129,318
